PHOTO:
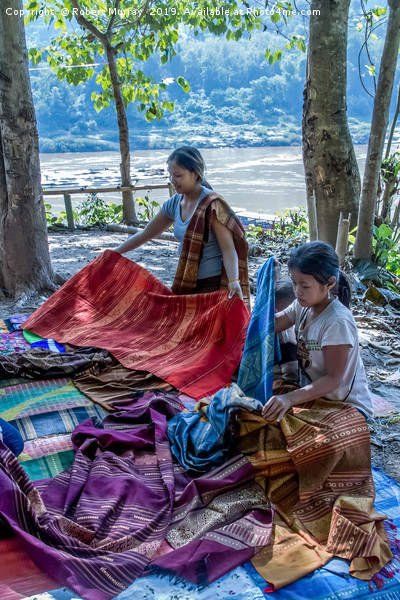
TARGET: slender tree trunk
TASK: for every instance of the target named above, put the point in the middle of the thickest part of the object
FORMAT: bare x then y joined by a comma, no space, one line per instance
393,126
128,203
129,212
330,164
380,119
24,253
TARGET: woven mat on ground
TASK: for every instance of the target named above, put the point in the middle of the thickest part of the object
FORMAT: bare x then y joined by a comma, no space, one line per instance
58,421
198,530
35,397
194,342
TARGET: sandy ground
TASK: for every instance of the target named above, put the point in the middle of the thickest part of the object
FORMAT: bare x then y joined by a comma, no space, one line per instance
379,327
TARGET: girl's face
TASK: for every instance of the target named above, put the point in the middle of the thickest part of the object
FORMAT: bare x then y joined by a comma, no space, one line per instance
308,291
183,180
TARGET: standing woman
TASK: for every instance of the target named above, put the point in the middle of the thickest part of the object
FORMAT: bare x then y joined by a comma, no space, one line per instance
213,247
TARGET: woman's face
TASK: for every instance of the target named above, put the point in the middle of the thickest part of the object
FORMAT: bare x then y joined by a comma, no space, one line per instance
183,180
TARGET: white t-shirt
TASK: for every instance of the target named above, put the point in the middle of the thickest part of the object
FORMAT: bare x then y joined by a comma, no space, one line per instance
334,326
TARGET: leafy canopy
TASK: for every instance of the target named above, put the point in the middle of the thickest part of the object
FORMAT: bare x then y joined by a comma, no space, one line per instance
89,31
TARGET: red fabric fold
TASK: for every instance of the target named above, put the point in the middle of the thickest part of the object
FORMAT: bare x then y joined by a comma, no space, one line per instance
193,342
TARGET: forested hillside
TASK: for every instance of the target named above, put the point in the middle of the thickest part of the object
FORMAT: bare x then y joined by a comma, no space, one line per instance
236,97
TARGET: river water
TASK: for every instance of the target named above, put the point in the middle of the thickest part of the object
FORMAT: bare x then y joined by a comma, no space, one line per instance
266,180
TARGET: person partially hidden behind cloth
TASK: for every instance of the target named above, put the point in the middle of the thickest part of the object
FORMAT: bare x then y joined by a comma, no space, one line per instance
287,367
213,247
11,437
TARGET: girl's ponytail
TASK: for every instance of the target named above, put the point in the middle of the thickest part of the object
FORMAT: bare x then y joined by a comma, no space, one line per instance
342,289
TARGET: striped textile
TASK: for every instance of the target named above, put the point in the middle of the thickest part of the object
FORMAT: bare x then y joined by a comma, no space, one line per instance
315,466
213,206
257,365
60,421
193,342
36,397
46,467
124,510
46,446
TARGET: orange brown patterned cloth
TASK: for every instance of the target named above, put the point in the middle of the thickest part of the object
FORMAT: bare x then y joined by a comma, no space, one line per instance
213,206
193,342
316,469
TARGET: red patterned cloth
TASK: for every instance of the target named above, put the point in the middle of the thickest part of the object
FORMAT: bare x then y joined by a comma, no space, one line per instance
193,342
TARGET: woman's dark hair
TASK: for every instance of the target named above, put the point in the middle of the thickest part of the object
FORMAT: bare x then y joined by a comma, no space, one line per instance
190,158
321,261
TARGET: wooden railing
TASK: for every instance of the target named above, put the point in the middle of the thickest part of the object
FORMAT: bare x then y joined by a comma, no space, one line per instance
67,192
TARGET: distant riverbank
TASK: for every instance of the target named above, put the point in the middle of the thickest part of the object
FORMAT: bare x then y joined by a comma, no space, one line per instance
267,179
158,137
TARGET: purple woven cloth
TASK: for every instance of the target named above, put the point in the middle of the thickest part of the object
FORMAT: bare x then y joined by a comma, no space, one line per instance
125,509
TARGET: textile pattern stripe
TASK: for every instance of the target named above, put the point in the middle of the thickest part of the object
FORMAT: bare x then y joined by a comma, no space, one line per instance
46,467
213,206
62,421
38,397
193,342
46,446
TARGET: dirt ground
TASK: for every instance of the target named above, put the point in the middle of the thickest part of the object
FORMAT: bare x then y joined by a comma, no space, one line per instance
379,327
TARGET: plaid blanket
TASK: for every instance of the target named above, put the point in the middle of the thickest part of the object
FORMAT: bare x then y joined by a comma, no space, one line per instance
193,342
211,207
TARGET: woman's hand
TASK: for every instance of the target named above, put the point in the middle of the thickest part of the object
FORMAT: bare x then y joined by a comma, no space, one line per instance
235,289
276,408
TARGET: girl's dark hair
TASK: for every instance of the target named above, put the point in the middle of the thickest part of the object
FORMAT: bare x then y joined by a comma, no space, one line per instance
321,261
284,290
190,158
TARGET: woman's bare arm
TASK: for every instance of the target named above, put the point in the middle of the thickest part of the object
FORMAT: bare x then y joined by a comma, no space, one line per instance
158,225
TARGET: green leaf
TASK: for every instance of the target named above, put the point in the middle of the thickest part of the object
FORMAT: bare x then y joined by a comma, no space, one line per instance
150,115
183,83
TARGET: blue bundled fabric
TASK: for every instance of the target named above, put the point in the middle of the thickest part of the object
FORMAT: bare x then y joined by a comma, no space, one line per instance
257,365
199,443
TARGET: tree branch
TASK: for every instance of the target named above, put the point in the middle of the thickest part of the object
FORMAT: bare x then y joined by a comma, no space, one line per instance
88,24
113,17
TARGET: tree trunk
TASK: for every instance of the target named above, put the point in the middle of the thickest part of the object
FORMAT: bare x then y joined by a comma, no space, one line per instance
128,204
24,252
330,164
380,120
393,126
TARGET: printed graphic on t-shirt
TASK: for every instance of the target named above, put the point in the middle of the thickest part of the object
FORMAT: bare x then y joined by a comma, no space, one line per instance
303,352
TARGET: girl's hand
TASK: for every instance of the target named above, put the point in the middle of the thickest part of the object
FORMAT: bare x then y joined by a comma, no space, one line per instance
276,408
235,289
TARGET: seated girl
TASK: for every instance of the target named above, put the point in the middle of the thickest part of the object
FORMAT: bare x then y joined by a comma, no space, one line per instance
326,333
213,249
